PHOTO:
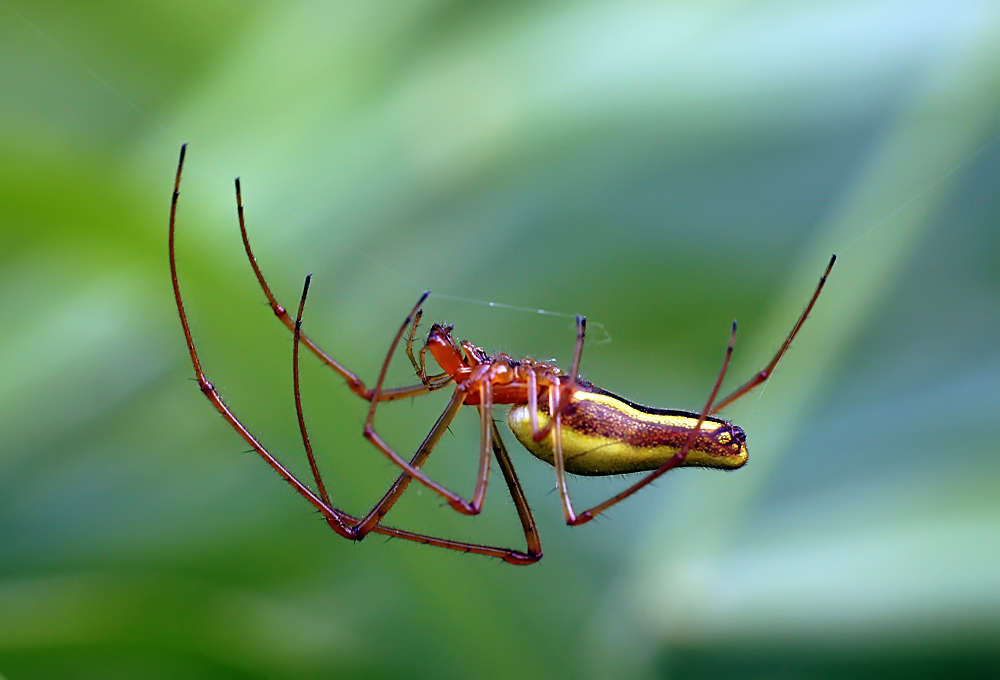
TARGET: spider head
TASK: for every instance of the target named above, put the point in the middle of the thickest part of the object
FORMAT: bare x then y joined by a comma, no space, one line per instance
445,350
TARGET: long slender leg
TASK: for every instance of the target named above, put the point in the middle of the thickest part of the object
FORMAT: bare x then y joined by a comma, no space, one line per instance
353,381
764,374
419,368
296,341
581,331
558,398
338,520
369,523
571,517
564,387
558,460
485,443
533,403
533,551
454,500
376,514
534,544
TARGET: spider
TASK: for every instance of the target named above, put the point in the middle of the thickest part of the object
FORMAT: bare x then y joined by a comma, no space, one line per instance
573,425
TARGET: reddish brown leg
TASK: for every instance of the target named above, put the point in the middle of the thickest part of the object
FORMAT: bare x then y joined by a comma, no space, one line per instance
463,506
296,341
485,443
375,515
365,525
336,519
534,544
571,517
533,551
764,374
341,522
353,381
371,520
565,387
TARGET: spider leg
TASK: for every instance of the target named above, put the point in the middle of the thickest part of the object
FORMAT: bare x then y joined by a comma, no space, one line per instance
485,443
376,514
296,341
461,392
355,383
571,517
336,519
490,437
534,544
533,404
765,373
533,553
506,554
339,521
565,387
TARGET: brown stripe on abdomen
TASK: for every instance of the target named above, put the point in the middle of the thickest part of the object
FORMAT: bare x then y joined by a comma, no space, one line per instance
716,438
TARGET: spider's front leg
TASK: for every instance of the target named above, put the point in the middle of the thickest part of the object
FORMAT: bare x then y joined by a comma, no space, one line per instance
355,383
358,529
481,379
460,504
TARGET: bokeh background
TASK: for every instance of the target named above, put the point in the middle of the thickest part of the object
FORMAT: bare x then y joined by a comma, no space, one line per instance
663,168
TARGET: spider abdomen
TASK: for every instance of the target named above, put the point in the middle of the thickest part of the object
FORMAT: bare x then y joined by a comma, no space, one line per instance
603,434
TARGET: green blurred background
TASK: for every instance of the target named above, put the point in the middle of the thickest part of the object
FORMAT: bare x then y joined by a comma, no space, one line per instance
660,167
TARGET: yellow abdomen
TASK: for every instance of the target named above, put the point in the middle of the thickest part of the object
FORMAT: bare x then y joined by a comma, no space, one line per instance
603,434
